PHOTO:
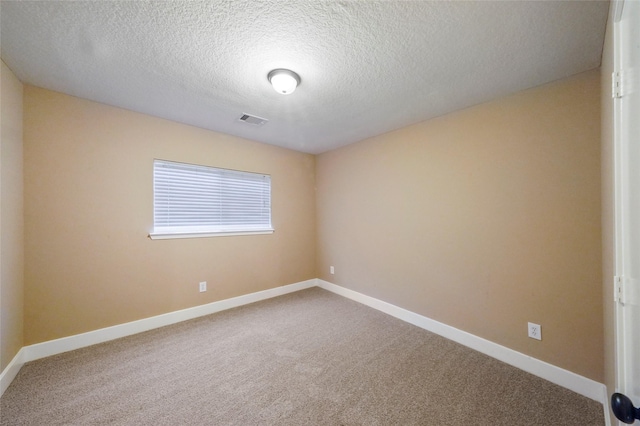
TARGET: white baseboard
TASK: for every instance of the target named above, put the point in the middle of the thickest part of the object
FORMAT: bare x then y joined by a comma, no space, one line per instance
65,344
572,381
579,384
11,371
53,347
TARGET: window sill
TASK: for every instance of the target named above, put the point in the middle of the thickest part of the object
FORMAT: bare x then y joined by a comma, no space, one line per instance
174,235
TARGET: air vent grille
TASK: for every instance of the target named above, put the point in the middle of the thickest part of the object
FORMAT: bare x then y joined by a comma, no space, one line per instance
252,119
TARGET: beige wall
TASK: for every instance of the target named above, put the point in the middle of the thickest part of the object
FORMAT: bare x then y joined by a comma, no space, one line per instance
11,217
483,219
88,209
608,231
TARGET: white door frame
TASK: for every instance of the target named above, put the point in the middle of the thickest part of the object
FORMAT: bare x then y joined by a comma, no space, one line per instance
627,210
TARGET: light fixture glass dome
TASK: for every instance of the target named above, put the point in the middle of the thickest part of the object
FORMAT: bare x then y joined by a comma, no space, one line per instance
284,81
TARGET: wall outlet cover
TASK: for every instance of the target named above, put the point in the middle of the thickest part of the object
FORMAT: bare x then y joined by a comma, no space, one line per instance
535,331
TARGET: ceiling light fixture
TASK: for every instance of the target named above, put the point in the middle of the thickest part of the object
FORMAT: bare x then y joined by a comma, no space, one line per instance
284,81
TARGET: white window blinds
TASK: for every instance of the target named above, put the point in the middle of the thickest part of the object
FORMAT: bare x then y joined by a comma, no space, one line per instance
192,200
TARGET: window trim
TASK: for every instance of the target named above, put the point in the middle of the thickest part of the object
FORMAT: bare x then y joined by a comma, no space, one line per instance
176,235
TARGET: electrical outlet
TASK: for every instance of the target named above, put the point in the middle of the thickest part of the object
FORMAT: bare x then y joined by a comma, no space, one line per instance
203,286
535,332
332,270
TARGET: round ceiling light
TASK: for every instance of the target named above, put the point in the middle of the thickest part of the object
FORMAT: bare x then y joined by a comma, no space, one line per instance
284,81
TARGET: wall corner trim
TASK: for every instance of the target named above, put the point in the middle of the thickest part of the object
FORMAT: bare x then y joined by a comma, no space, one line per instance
11,370
567,379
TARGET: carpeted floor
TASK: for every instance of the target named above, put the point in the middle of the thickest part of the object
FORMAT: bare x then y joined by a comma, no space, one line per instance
307,358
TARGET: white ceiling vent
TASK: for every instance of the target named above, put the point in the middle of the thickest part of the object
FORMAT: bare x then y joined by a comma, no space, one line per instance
252,119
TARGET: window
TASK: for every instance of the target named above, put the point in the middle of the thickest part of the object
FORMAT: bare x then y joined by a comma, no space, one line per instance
200,201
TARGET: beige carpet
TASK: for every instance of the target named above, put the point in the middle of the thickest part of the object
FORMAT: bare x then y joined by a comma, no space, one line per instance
307,358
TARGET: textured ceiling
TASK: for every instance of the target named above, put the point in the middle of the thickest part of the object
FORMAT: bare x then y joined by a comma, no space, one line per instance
366,67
